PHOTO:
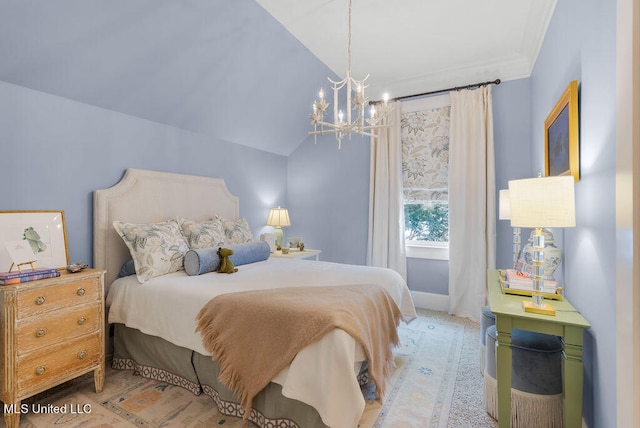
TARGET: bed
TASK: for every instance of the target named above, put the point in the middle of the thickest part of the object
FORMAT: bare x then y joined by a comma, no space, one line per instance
154,323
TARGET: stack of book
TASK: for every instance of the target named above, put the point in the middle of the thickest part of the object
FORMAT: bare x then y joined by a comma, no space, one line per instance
17,277
523,281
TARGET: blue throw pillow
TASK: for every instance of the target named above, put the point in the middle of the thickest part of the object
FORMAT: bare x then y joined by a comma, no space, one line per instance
203,260
127,269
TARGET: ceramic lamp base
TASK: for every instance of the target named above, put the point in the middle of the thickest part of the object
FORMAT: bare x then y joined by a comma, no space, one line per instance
279,236
545,309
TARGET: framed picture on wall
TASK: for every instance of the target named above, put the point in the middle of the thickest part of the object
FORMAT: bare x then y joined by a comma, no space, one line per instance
43,231
561,151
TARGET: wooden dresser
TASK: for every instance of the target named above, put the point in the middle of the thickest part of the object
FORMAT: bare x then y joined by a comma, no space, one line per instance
52,331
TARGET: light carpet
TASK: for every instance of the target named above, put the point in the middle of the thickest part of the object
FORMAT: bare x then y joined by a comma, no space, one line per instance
436,383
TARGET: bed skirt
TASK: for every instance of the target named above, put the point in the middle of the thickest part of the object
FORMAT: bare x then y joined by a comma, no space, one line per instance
155,358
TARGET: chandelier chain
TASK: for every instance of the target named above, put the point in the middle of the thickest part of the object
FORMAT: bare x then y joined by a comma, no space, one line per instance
349,39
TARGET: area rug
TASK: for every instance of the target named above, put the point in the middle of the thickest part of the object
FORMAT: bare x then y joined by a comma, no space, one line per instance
422,385
419,391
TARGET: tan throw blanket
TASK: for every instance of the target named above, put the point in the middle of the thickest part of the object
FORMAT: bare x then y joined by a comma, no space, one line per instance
253,335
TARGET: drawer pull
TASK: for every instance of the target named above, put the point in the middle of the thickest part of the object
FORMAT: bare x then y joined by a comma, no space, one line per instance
81,320
40,300
82,355
40,370
81,291
41,332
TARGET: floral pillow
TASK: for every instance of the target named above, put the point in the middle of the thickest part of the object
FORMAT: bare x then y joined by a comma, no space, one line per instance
236,231
156,248
202,234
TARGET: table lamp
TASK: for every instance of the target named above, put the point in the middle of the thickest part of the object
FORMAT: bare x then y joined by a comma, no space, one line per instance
537,203
504,213
278,217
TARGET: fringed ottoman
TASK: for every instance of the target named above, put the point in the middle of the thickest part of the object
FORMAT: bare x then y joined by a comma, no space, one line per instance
487,319
536,379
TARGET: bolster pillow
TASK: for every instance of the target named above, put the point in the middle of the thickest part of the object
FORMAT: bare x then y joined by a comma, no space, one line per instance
203,260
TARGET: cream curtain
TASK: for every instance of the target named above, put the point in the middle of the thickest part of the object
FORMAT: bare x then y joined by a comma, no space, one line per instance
385,244
472,222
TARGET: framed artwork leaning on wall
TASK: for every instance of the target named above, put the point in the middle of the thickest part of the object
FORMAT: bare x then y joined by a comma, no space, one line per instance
43,230
561,134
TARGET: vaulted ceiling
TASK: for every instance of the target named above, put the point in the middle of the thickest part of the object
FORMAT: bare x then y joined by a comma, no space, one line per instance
246,71
414,46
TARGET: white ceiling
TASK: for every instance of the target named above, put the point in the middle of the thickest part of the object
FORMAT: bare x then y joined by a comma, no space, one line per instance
414,46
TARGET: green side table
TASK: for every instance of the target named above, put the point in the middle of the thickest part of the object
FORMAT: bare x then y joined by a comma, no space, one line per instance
567,323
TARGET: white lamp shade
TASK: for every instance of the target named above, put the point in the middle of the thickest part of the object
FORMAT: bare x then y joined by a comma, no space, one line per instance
504,205
278,217
542,202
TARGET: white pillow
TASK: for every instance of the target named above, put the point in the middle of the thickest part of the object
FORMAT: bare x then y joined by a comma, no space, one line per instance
236,231
156,248
202,234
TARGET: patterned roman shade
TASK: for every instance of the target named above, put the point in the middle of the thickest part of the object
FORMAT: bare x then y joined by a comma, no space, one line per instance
425,155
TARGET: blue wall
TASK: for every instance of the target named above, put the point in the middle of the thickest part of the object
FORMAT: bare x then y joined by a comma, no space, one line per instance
328,196
56,152
580,45
512,136
221,68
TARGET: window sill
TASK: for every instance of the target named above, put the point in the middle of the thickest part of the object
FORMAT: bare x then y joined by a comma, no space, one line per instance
422,251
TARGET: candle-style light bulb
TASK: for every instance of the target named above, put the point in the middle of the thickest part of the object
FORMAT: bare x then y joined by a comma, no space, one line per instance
340,115
373,111
385,97
321,94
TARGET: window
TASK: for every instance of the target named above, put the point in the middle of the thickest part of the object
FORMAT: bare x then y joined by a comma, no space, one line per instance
425,170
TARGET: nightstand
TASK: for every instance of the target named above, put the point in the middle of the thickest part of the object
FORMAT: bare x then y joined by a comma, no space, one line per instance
52,331
297,254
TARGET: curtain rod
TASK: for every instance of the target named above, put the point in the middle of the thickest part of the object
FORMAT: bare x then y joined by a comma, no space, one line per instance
456,88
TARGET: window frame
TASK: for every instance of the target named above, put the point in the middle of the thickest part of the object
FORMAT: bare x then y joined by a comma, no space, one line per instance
426,249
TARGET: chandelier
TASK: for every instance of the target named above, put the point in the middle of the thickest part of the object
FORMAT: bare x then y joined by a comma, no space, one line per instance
355,103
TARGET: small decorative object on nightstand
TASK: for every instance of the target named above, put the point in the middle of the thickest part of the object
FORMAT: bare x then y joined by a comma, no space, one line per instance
294,242
298,254
76,267
52,332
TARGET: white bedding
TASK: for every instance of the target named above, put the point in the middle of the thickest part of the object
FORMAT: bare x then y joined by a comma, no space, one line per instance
167,306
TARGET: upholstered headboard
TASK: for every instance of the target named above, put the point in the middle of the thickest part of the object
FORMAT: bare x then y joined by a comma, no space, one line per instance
149,196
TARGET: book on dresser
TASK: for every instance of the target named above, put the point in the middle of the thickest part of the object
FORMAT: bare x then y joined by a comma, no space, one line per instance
16,277
523,281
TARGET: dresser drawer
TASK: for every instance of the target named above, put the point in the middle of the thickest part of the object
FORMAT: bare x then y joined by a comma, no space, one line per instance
57,326
43,299
43,368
